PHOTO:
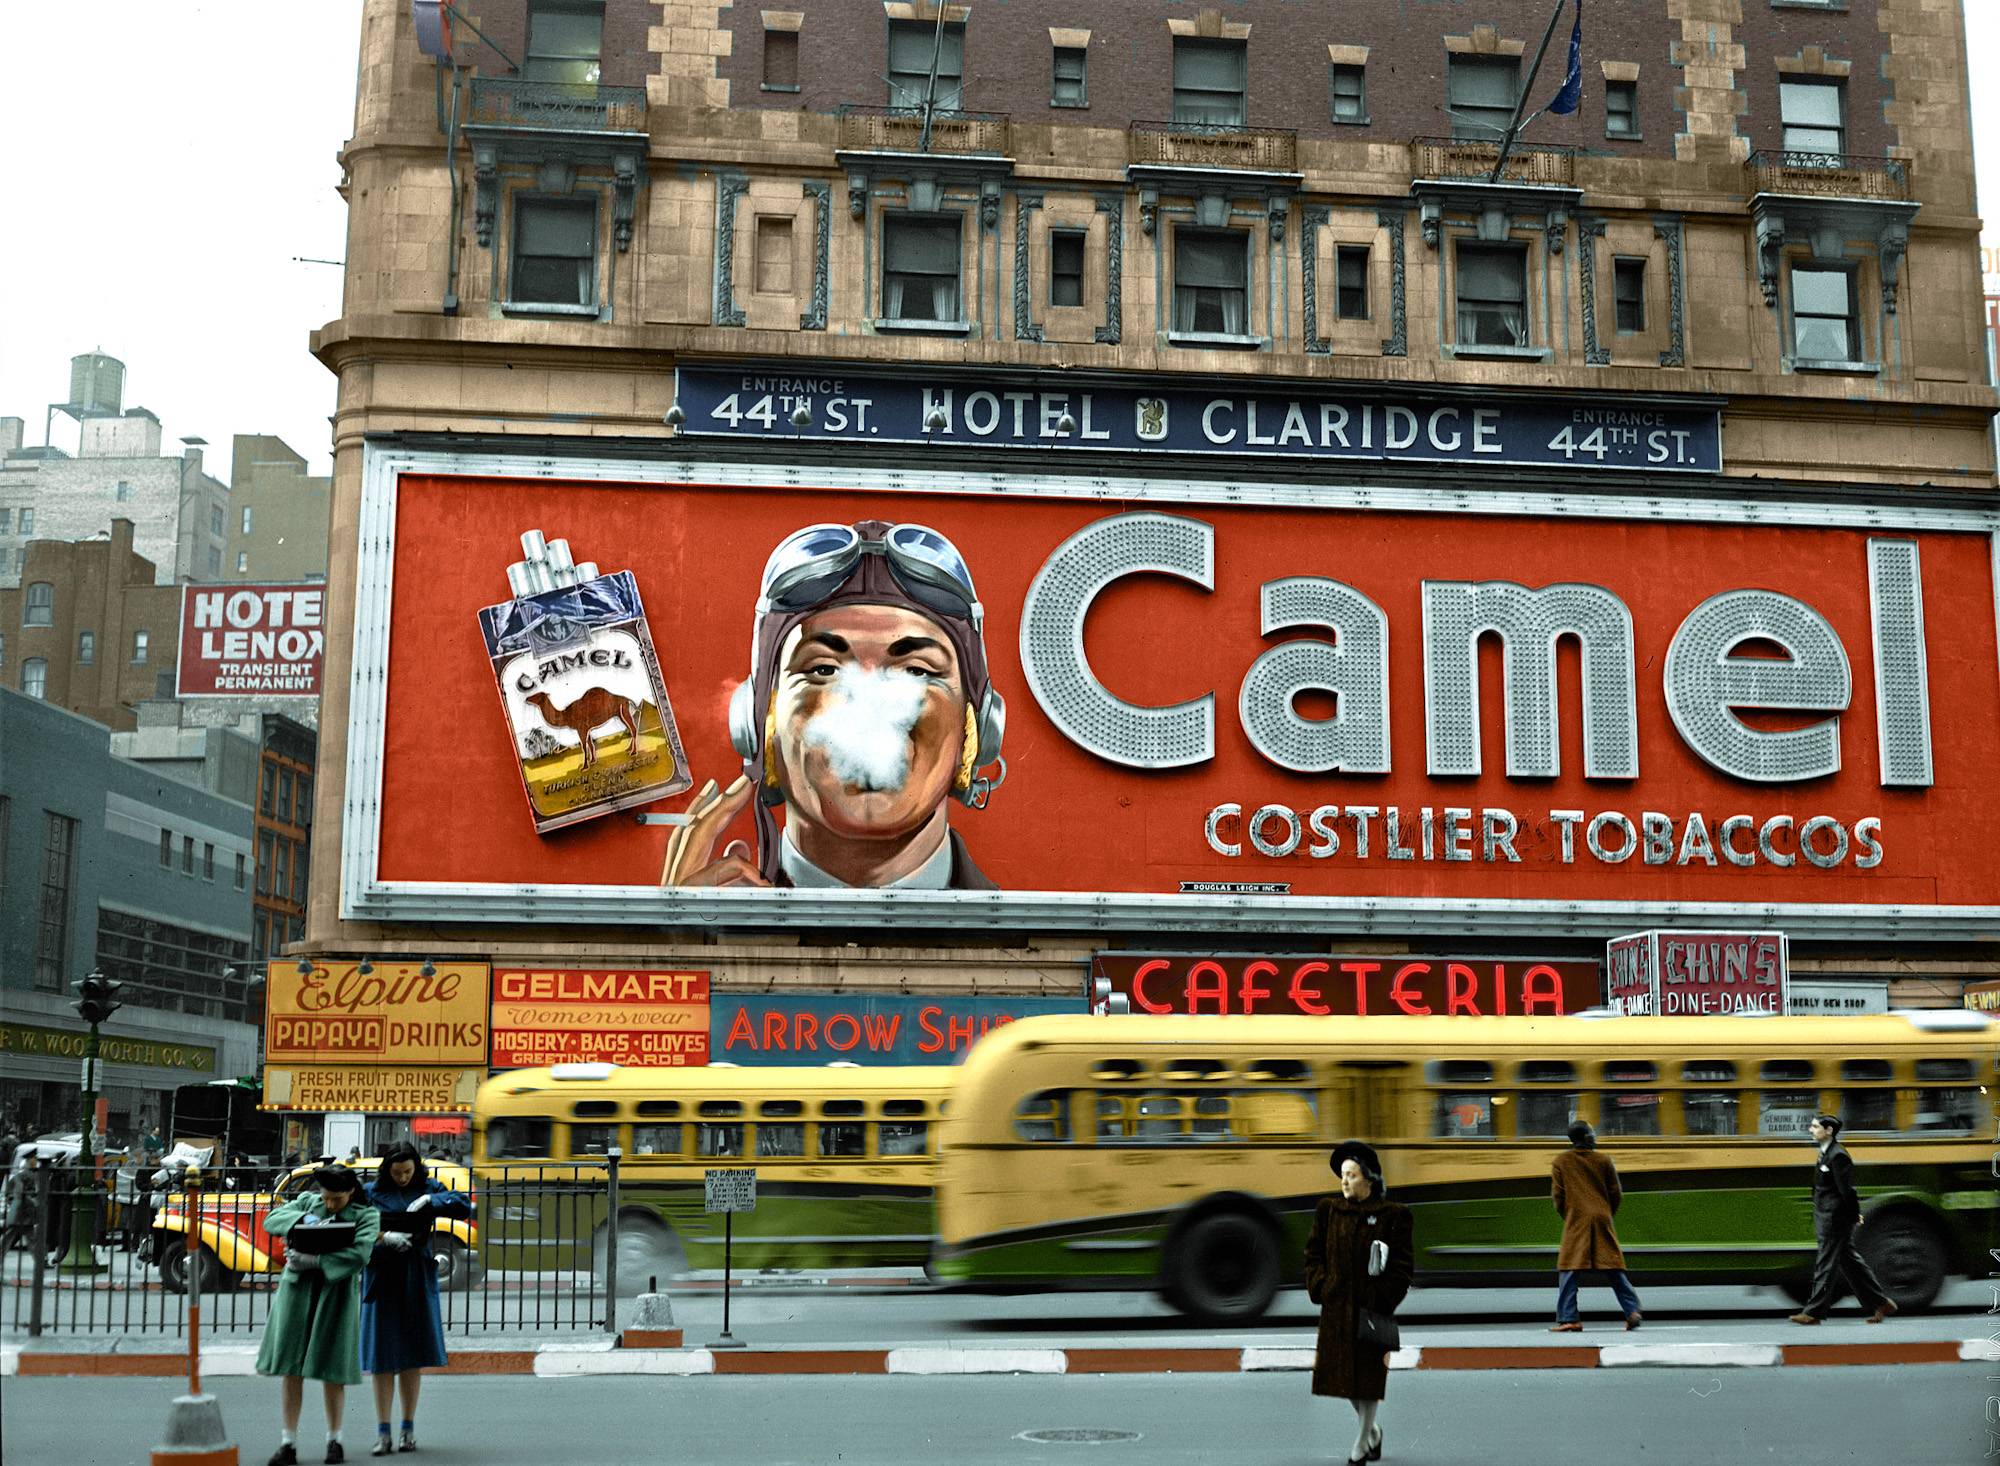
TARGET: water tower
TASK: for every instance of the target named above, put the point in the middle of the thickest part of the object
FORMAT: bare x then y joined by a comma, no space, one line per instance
96,389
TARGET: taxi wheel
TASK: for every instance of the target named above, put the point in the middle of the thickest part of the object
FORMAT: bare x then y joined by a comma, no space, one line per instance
455,1267
215,1278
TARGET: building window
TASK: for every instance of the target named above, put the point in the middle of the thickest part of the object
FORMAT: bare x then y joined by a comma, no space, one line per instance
123,493
1621,109
285,795
299,873
242,870
1811,114
1211,282
1349,88
52,938
214,562
265,840
27,521
207,861
305,799
142,642
912,45
39,609
163,685
1492,295
1065,267
171,967
242,561
565,42
920,269
1628,288
187,855
1211,81
555,252
6,556
35,677
166,849
781,61
1070,82
259,942
1824,327
6,521
774,256
1350,263
86,648
281,879
215,519
268,792
1480,92
246,519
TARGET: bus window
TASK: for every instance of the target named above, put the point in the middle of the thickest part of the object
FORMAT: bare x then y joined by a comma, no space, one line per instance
658,1109
1787,1071
1629,1112
899,1108
780,1140
1948,1071
517,1138
1114,1119
901,1137
712,1139
1786,1112
592,1139
842,1109
1868,1109
1211,1118
1864,1070
1464,1117
1544,1111
656,1139
841,1140
1458,1071
1160,1117
1043,1116
1276,1114
1547,1071
1709,1111
780,1109
595,1109
1708,1071
1947,1111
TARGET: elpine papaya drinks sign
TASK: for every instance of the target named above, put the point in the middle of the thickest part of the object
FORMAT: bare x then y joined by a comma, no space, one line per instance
1247,706
599,1015
404,1013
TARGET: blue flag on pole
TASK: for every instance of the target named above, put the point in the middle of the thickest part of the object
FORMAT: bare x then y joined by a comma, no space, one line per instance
1566,100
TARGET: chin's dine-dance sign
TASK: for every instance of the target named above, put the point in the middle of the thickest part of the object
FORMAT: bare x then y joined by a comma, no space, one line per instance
1013,696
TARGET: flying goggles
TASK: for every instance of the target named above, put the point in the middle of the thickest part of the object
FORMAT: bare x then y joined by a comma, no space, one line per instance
811,564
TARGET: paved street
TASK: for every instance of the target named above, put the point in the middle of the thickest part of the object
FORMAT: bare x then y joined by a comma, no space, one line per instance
1931,1416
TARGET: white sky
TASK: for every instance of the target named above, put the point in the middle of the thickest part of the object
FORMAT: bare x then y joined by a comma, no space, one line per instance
167,159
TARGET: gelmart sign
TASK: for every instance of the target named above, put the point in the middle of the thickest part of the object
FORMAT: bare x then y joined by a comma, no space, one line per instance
599,1015
360,1012
1306,709
1304,985
1696,973
251,640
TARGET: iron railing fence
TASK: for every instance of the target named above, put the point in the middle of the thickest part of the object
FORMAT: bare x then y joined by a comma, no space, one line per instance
1829,175
1192,144
540,1254
1472,160
505,101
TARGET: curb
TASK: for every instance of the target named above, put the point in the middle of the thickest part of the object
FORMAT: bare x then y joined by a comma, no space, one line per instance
579,1357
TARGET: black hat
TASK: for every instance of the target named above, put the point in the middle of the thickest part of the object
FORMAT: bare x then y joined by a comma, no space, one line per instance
1363,1155
1581,1135
336,1178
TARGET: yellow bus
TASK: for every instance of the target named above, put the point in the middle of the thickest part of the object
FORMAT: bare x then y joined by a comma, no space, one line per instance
1186,1154
845,1159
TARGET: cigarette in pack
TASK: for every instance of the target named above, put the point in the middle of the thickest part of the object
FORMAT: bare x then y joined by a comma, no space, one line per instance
580,685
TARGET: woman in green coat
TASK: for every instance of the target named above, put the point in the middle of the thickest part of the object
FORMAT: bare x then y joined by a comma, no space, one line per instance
315,1326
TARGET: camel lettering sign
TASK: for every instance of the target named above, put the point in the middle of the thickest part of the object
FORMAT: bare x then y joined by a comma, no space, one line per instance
251,640
376,1013
581,688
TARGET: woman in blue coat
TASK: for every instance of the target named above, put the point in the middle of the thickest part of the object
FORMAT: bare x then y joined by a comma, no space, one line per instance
402,1331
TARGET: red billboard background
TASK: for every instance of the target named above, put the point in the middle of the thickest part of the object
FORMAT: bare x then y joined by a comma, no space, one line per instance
1068,820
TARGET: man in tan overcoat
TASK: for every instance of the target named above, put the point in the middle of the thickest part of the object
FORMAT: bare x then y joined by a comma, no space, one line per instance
1587,1193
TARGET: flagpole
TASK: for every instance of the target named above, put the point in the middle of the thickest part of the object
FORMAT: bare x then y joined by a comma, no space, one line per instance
1527,87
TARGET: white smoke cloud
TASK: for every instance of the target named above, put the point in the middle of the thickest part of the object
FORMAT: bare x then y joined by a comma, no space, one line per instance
864,728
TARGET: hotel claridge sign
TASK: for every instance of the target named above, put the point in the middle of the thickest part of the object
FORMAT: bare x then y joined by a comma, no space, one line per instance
873,499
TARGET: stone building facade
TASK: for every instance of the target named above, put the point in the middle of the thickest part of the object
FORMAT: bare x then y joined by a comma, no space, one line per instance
1763,209
277,523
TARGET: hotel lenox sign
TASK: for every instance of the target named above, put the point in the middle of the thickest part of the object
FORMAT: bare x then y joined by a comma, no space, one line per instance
1270,706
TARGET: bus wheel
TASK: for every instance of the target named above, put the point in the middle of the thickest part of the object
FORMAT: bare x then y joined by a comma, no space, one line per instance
646,1249
215,1278
1223,1268
1908,1257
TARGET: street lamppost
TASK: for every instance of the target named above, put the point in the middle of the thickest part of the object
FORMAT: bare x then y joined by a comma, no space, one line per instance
97,1000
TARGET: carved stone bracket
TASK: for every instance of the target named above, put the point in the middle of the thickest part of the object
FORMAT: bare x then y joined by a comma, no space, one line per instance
989,205
1826,222
1312,219
1554,228
624,195
821,193
1430,219
485,193
1770,256
729,187
857,195
1398,341
1112,206
1675,355
1025,328
1279,208
1149,210
1588,232
1893,244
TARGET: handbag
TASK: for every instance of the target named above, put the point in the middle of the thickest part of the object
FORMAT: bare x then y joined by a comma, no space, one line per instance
1377,1330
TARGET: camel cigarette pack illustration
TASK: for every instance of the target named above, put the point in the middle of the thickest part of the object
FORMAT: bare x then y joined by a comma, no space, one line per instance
586,706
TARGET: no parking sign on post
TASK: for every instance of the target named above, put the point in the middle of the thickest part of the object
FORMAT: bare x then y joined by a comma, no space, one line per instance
729,1192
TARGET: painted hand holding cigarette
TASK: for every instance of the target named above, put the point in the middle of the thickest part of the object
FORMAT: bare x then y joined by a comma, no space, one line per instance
691,858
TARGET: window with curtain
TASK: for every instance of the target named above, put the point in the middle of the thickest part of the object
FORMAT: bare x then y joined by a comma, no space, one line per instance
1349,86
1065,268
1492,295
1070,84
1211,282
912,43
1621,109
39,609
565,42
781,60
1628,289
920,269
1351,282
1810,111
1823,322
555,251
35,677
1211,81
1480,92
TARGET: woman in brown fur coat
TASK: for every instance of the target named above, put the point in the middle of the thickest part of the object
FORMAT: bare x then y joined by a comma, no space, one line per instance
1339,1280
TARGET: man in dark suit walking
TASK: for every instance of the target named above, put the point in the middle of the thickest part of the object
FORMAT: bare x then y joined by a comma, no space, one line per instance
1839,1267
